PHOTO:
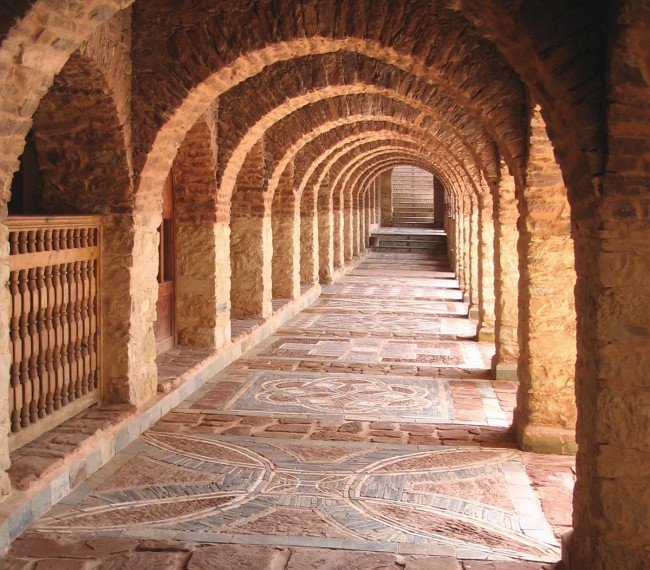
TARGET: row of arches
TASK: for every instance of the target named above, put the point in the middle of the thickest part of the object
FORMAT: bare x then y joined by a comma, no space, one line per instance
275,140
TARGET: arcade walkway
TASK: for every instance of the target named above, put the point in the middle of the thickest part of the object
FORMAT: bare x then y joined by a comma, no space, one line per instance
364,434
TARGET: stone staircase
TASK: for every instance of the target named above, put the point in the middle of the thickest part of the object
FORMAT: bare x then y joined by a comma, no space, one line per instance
409,240
412,198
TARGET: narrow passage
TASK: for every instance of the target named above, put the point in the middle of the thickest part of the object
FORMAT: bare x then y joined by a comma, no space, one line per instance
365,432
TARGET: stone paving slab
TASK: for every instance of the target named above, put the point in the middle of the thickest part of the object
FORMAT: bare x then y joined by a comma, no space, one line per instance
199,487
35,552
362,433
358,396
400,306
376,350
384,325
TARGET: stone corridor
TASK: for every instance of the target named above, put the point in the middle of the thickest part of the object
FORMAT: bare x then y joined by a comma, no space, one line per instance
365,433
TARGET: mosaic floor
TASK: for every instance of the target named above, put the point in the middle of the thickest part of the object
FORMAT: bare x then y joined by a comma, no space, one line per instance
367,424
205,488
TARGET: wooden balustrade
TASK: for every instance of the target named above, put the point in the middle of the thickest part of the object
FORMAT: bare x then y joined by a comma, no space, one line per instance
55,312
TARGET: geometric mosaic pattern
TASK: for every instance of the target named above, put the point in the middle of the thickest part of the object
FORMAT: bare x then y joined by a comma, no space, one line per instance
394,306
373,325
375,350
339,394
205,487
400,291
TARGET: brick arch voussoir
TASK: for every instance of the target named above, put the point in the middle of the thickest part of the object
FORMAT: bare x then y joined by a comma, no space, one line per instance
358,175
566,80
340,134
339,71
380,148
28,52
451,162
80,144
319,170
295,110
338,139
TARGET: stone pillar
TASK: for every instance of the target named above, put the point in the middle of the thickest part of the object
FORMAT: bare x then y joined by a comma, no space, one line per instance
251,241
348,227
325,233
129,372
461,249
386,194
367,215
546,410
309,238
286,239
360,225
202,245
338,229
506,278
486,268
474,293
251,246
438,203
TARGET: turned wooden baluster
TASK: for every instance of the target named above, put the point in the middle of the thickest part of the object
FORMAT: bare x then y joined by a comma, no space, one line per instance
25,301
51,340
16,391
35,344
65,333
47,240
85,327
92,318
72,332
22,242
43,378
57,325
77,325
13,243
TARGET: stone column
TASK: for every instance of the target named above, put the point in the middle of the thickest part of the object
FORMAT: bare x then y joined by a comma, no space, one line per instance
506,278
546,410
486,268
386,193
474,293
251,247
251,241
338,229
309,237
202,244
348,227
325,233
438,203
367,217
286,239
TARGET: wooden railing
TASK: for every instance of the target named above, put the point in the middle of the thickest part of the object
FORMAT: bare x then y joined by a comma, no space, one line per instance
54,285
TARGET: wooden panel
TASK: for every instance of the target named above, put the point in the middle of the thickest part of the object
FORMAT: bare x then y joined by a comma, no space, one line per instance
54,286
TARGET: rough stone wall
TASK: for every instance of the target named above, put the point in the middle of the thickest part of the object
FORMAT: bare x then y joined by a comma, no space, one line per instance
286,238
546,410
202,243
325,232
611,497
474,229
506,272
251,241
487,317
386,199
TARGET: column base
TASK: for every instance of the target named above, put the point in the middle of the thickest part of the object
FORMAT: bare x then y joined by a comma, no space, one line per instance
485,335
466,298
505,371
473,312
566,552
546,439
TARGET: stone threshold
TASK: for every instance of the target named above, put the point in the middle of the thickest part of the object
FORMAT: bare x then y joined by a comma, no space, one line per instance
45,471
